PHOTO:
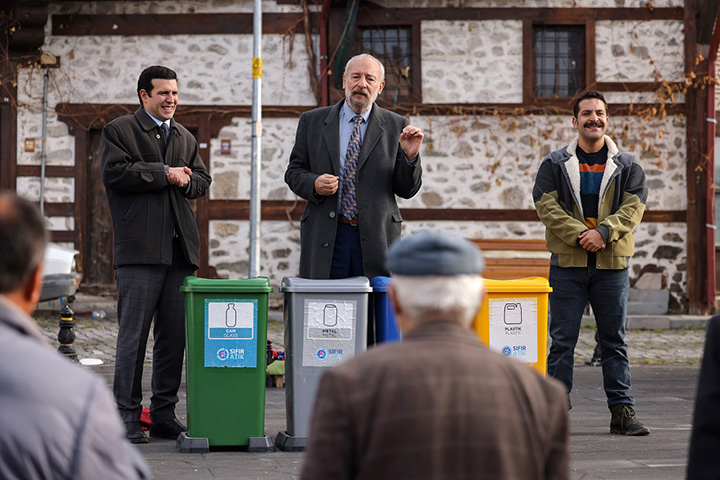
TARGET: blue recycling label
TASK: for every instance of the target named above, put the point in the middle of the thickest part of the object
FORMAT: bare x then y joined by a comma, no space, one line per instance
231,333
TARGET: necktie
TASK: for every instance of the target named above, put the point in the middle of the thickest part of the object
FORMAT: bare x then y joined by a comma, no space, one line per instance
348,208
166,131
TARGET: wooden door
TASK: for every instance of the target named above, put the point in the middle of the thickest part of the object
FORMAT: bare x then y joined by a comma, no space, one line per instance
98,273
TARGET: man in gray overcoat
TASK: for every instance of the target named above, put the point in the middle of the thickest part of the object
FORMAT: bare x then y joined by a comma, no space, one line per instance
58,420
349,162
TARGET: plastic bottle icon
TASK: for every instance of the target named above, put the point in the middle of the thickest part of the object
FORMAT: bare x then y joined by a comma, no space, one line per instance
513,313
330,315
231,316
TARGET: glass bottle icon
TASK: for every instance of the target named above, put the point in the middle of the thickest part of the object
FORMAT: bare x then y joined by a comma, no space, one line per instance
231,316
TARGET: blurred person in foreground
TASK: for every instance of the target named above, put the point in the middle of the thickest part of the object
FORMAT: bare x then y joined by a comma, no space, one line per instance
703,464
439,404
58,420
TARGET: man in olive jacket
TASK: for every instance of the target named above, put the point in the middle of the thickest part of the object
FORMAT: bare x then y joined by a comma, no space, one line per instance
151,167
591,196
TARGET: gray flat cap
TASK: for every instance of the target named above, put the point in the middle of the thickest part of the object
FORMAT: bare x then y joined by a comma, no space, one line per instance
431,253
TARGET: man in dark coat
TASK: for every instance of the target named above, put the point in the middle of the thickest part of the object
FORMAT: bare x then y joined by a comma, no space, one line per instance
439,404
350,179
151,167
58,420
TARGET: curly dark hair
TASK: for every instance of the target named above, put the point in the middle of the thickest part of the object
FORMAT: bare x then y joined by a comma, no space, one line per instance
584,96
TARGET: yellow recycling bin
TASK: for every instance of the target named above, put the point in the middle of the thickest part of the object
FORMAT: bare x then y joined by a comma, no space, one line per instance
513,319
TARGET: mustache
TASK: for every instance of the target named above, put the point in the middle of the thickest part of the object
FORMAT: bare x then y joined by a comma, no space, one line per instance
360,91
594,124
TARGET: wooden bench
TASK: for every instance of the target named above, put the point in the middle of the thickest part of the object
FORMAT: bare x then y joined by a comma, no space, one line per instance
509,259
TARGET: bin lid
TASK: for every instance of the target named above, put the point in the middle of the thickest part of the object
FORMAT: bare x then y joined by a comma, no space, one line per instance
380,284
339,285
214,285
520,285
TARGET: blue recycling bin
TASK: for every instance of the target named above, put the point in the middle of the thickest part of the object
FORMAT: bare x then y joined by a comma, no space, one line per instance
386,326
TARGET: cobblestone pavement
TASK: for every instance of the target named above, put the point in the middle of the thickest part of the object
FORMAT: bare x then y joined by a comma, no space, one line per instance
95,338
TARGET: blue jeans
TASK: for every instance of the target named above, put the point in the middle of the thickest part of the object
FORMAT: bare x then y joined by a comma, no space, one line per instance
607,292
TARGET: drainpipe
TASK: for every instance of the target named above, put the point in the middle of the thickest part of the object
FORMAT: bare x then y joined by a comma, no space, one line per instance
43,156
710,177
324,80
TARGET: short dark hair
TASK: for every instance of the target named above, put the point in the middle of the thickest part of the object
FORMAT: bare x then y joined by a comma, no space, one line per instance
23,239
147,75
584,96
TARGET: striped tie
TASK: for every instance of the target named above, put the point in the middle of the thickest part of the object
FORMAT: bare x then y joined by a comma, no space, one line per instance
348,208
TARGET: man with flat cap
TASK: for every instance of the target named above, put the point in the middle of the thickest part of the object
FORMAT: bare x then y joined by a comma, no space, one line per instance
439,404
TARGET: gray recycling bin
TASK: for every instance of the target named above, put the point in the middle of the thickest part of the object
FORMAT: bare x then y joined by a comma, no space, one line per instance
325,324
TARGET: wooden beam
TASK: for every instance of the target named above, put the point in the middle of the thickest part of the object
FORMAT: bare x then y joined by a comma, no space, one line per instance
59,209
390,16
8,124
177,24
694,106
50,171
279,210
64,236
632,86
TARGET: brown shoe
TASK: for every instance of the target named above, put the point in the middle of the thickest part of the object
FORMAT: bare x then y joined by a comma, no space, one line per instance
624,422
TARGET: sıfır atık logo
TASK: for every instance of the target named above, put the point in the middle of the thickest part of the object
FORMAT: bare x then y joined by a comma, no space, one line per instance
321,354
222,354
507,351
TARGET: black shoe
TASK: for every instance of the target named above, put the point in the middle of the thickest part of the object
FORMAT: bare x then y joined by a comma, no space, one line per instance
624,422
134,433
170,429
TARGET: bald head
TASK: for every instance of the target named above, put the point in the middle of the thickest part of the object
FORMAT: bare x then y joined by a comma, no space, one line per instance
22,242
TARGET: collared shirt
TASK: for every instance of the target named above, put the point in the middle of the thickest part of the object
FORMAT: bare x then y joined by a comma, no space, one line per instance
158,122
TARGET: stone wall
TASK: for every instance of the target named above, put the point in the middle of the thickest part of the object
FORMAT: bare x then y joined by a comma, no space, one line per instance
483,162
639,51
470,162
453,52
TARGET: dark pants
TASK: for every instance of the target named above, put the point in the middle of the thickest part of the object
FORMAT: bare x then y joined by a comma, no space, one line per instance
347,255
348,262
607,292
144,292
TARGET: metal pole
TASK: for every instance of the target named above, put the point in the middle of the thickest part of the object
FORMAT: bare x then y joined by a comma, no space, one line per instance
46,79
256,137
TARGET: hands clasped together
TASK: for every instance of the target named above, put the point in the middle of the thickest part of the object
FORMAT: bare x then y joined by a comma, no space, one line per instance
592,241
179,176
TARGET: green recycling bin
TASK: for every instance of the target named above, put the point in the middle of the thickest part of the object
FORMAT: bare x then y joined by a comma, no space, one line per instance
226,336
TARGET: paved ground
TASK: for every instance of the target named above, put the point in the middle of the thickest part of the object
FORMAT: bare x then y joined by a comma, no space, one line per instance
665,364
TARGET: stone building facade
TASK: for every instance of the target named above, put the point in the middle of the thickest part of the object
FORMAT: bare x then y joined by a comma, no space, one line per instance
486,134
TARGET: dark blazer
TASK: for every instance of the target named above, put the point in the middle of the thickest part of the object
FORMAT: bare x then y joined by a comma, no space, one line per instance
437,405
703,462
145,209
382,173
